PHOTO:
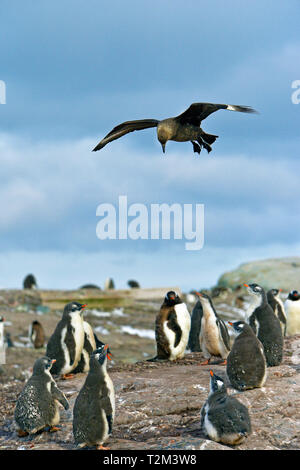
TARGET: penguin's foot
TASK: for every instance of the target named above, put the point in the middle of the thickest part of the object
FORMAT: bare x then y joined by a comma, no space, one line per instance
223,363
22,433
196,147
67,376
102,448
205,362
54,429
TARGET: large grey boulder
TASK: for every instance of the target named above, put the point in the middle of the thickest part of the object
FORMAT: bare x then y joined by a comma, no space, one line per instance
281,273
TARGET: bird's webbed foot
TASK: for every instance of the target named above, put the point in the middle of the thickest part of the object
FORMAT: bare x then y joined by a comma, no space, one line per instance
204,145
196,147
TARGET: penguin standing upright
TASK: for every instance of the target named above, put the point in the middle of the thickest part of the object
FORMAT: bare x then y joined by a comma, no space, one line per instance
94,408
292,308
36,334
246,363
266,325
91,343
172,328
223,418
273,297
29,282
214,336
66,343
37,405
194,337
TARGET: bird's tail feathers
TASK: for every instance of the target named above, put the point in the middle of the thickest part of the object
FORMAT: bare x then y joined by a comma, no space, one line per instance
209,138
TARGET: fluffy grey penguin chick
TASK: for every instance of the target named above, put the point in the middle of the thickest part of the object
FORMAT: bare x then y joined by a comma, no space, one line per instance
94,408
223,418
37,405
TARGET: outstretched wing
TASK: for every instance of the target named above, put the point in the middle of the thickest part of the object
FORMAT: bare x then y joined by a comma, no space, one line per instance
199,111
125,128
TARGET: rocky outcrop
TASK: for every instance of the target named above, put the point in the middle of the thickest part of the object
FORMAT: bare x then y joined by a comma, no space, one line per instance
281,273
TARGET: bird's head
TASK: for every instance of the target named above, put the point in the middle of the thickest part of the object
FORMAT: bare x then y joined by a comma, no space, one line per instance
164,133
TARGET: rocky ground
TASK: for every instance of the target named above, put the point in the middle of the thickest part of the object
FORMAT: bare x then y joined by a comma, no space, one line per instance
157,405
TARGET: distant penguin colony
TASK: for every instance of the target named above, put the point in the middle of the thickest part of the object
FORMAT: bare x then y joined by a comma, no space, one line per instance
94,408
223,418
172,328
214,336
66,343
273,297
246,362
266,325
37,405
292,308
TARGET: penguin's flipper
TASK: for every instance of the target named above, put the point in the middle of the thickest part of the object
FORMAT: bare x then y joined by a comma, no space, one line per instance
97,341
110,423
224,333
59,395
106,405
173,325
252,322
196,147
70,343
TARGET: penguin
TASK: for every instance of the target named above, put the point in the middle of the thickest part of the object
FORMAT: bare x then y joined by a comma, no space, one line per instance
196,319
214,336
37,405
246,363
273,297
133,284
36,334
66,343
292,308
94,408
223,418
266,325
1,333
172,328
29,282
91,343
109,284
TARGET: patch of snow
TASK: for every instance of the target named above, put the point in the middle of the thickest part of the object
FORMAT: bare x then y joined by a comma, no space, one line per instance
138,332
101,330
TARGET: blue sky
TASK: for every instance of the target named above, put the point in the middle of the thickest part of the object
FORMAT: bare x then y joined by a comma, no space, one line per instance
75,69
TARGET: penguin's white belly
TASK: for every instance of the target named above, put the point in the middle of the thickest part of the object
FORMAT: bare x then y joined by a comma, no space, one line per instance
184,322
293,317
210,336
78,334
111,390
209,427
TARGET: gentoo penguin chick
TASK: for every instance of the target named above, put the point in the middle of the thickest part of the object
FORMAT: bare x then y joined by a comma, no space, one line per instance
194,337
292,308
214,336
94,408
172,328
223,418
273,297
246,363
91,343
266,325
37,334
29,282
66,343
37,405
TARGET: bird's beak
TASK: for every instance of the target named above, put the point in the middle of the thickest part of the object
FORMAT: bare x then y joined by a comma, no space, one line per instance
230,323
83,306
246,285
53,360
163,148
198,293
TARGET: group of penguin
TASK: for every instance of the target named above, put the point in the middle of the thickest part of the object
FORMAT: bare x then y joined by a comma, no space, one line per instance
73,347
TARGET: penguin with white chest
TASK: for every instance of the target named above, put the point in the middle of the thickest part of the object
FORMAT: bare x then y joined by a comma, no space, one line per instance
292,308
172,328
91,343
273,297
246,363
66,343
94,408
214,336
265,325
37,405
223,418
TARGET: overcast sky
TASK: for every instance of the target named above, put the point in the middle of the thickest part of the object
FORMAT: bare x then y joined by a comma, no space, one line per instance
75,69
